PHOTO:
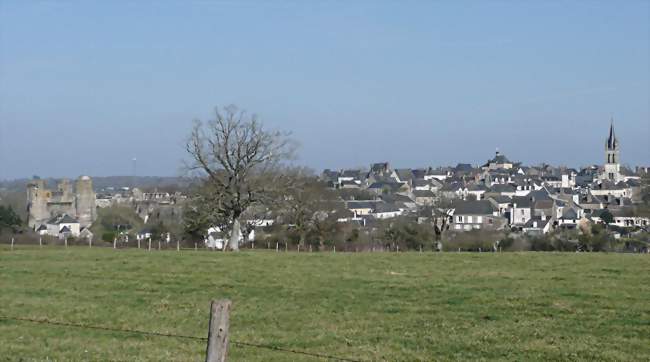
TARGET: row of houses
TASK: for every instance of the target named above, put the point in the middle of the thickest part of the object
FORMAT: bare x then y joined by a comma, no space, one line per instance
498,194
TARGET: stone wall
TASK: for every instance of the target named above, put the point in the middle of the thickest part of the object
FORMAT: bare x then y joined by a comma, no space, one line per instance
43,204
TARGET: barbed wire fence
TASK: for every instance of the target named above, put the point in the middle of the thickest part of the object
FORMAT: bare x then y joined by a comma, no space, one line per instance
268,347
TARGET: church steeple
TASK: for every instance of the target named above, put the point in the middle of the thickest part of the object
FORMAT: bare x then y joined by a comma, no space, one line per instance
612,167
612,142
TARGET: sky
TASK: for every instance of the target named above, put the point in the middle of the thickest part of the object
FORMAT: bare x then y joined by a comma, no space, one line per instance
87,86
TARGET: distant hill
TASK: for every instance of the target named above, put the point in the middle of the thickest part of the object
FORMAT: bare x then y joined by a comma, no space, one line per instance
99,183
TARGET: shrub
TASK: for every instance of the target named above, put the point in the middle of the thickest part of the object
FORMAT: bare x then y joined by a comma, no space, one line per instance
108,236
473,240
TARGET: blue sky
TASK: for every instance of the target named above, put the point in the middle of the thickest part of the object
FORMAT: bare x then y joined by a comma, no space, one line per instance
86,86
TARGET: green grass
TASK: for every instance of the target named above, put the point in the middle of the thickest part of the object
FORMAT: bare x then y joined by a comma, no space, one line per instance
372,306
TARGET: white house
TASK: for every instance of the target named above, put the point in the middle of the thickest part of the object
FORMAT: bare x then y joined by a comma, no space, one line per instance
62,226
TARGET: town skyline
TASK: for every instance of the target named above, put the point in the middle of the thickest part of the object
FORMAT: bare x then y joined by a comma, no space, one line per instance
368,165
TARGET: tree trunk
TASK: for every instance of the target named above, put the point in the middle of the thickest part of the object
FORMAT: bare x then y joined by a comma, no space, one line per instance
302,239
235,235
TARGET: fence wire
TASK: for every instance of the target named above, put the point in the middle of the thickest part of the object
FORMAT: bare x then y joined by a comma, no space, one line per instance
170,335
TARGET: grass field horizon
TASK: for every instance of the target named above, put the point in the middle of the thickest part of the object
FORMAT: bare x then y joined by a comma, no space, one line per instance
364,306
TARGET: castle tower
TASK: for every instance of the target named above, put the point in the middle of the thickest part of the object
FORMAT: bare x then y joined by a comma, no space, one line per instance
37,196
65,189
612,170
85,201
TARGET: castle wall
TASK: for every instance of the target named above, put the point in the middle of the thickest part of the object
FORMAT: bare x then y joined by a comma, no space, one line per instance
85,202
78,202
37,198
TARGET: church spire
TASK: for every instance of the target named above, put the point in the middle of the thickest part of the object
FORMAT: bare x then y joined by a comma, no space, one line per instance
612,142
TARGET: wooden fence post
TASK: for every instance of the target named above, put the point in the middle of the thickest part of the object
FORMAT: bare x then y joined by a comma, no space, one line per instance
40,242
334,248
65,240
277,246
12,244
178,245
196,248
217,350
90,242
138,242
158,244
149,244
114,243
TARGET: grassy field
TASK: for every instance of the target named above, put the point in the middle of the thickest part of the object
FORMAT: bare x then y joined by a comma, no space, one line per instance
366,306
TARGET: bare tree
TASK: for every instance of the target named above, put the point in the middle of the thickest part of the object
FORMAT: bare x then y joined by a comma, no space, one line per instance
441,215
240,162
308,204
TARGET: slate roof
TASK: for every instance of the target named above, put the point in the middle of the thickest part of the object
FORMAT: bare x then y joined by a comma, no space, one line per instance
62,219
396,198
369,204
404,174
385,207
540,223
455,186
501,199
539,195
500,188
419,173
569,213
522,201
480,207
423,193
421,182
476,187
543,204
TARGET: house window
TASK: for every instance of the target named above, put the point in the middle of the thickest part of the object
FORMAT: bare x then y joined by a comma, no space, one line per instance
459,219
522,211
458,227
469,219
479,219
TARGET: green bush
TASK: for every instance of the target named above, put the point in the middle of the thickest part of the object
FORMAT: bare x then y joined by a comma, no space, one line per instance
473,240
108,236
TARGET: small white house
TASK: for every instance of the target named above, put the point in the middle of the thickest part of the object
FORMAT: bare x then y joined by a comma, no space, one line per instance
62,226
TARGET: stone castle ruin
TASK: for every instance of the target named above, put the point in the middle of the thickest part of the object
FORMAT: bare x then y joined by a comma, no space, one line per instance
77,201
